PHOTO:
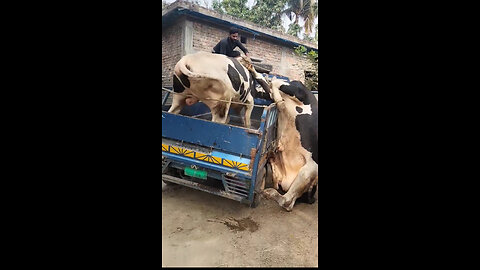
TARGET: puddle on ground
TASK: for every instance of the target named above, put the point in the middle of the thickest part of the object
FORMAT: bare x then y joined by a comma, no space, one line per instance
238,224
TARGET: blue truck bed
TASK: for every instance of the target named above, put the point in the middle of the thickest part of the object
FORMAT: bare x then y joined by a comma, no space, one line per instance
222,159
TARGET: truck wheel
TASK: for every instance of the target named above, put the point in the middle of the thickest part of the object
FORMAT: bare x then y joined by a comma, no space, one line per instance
256,200
170,171
260,179
258,187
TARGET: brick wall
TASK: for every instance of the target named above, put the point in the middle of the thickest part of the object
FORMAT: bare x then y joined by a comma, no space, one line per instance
171,51
207,35
283,59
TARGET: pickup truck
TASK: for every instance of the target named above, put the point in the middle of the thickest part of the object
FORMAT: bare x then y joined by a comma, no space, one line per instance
227,160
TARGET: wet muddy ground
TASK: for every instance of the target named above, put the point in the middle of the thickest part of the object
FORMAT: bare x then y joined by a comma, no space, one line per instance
201,229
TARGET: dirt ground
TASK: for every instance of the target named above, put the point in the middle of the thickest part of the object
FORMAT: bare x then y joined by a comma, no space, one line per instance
201,229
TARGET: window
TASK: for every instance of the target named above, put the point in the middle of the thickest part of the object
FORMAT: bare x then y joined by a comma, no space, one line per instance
243,40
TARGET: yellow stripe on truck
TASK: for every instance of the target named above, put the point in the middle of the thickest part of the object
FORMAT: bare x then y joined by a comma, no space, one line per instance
205,157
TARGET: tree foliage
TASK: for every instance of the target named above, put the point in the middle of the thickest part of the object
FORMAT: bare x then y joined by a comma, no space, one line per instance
312,81
294,29
235,8
269,13
266,13
217,6
305,9
263,12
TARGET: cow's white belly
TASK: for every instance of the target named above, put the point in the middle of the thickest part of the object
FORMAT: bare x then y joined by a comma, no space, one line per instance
211,89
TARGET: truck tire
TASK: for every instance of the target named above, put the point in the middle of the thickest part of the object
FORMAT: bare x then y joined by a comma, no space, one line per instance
170,171
260,179
258,186
256,200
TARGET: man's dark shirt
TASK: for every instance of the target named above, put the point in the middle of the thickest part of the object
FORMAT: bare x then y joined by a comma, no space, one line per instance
226,46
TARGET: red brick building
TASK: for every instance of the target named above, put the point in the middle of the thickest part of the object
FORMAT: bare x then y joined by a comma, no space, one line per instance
189,28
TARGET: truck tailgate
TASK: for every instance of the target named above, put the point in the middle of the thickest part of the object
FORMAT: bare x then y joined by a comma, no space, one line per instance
224,138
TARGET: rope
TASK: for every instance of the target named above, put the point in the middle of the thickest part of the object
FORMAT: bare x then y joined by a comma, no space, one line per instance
261,106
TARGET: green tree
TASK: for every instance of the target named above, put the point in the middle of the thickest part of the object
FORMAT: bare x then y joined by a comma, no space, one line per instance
311,82
294,29
305,9
266,13
235,8
308,38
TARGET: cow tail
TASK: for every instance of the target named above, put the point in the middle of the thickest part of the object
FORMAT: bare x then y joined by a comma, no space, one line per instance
191,75
186,71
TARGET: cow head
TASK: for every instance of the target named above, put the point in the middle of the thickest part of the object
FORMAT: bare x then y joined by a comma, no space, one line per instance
295,89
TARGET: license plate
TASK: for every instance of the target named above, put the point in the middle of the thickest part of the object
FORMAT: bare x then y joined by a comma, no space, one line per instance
195,173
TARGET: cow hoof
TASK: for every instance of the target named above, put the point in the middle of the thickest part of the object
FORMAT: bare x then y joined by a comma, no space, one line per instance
288,207
270,193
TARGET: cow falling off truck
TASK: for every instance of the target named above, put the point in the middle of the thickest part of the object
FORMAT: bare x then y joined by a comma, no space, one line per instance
294,161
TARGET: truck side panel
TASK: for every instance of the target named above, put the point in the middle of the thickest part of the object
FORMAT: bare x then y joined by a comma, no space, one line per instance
224,138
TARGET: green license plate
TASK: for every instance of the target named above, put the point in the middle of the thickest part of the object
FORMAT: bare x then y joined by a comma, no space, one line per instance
196,173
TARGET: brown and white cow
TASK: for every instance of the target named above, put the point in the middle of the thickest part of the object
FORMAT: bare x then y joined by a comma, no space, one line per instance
209,77
294,162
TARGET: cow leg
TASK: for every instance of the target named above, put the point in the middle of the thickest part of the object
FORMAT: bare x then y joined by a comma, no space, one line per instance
271,193
304,180
178,102
238,110
225,114
248,111
301,184
220,112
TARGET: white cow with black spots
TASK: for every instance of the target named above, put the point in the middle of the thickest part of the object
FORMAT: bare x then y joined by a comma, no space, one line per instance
216,80
294,162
